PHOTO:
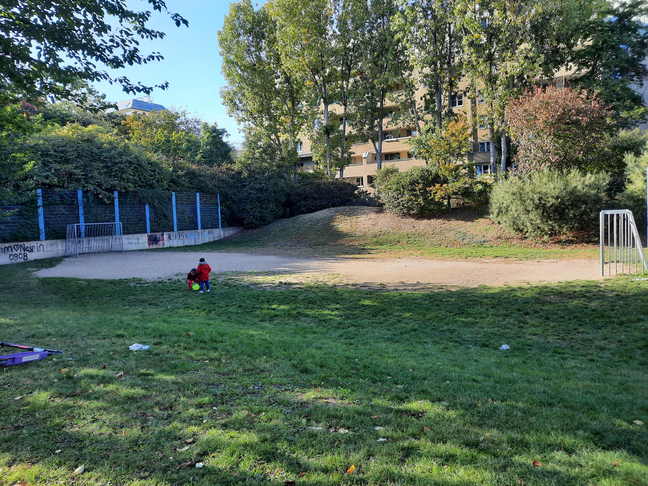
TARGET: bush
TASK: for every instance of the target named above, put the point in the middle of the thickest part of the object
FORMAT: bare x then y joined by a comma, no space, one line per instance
634,196
312,195
548,203
425,191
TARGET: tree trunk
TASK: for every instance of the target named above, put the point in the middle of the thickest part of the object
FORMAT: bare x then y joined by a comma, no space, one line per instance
504,151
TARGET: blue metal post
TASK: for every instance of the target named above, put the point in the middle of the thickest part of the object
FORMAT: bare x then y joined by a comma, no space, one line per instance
41,216
198,208
116,210
175,216
219,213
148,219
81,217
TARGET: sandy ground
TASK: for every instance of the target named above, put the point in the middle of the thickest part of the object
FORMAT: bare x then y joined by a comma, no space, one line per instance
461,273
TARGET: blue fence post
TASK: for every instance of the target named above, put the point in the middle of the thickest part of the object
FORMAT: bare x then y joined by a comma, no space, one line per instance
41,215
116,211
148,219
81,217
219,213
175,216
198,208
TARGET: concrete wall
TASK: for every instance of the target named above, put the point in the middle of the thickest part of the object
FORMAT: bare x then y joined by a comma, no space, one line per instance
37,250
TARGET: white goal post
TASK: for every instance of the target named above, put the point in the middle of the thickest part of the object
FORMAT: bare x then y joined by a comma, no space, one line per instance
93,238
620,243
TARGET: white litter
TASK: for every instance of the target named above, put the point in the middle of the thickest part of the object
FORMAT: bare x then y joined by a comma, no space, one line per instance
382,439
199,464
137,347
505,346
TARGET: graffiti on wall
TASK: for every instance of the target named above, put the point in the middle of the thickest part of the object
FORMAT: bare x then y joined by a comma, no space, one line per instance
155,240
20,251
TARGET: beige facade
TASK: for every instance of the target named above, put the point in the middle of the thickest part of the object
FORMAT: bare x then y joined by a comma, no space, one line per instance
396,150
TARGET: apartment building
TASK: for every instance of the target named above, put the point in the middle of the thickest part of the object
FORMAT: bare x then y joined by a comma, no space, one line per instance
396,150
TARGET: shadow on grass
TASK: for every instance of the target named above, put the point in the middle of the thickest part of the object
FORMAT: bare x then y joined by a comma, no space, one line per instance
273,386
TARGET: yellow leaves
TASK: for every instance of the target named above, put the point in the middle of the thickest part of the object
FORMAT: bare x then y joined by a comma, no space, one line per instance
351,469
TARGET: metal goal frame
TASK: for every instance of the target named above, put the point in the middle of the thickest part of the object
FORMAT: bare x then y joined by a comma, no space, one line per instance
93,238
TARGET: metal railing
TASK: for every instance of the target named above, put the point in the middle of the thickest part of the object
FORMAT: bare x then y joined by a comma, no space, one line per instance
620,236
93,238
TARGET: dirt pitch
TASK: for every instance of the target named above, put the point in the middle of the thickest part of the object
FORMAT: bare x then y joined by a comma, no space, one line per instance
361,271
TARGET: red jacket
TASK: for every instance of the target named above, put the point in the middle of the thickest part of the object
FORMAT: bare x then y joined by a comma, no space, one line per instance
203,271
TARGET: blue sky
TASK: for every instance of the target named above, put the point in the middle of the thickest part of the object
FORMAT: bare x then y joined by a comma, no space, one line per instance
191,64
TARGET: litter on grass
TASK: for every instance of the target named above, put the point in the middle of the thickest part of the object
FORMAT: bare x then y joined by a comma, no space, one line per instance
138,347
505,346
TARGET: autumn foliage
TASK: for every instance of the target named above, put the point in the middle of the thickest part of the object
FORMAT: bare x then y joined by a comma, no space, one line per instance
559,129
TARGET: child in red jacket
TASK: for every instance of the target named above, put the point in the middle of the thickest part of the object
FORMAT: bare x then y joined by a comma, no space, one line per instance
192,278
203,274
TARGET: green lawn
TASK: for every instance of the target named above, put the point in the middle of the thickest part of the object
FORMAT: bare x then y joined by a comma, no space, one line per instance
278,384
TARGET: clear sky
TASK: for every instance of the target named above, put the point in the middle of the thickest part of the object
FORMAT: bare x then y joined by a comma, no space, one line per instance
191,64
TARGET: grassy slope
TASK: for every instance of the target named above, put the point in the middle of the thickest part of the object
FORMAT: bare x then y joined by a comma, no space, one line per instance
364,231
237,379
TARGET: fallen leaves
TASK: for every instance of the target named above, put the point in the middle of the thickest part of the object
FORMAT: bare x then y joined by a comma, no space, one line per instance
351,470
638,422
80,469
537,463
119,375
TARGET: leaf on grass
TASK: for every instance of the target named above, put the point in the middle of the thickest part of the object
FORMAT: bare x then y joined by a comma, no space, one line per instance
374,416
183,449
58,451
382,439
190,334
80,469
426,429
103,367
188,464
633,481
119,375
160,455
638,422
350,470
379,428
199,464
64,370
302,475
189,441
18,398
537,463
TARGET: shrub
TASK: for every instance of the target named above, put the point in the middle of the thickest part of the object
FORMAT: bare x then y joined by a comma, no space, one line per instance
426,191
408,193
548,203
312,195
634,196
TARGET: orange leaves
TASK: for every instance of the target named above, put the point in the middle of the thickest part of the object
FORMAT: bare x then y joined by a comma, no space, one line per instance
351,470
537,463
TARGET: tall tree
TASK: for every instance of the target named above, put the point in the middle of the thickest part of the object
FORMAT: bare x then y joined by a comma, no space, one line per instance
611,57
429,32
381,74
48,45
500,57
305,36
261,93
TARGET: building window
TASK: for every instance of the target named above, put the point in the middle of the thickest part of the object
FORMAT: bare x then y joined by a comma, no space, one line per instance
395,156
300,146
480,99
456,100
484,146
389,136
411,132
483,122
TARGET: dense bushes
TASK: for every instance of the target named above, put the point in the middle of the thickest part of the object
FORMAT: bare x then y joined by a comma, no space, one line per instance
549,202
426,191
312,195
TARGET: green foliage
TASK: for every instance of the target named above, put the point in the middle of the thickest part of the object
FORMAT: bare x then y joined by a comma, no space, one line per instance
308,196
634,196
429,191
407,193
48,47
548,203
610,58
93,159
446,145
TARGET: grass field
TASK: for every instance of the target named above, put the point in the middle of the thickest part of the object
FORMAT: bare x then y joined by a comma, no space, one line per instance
365,231
318,384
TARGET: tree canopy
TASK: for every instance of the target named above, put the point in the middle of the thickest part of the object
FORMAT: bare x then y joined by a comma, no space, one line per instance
48,45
